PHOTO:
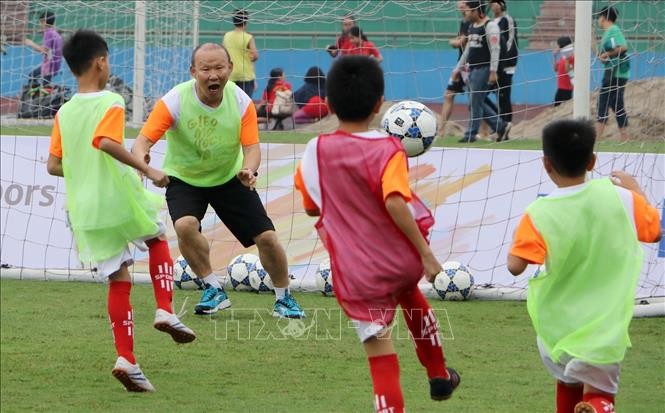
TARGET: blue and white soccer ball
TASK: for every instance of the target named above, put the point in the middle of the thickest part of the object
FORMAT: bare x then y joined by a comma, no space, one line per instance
183,277
454,282
324,278
412,123
239,270
259,279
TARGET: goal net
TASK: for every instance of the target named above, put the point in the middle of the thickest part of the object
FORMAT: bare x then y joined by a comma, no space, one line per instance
477,195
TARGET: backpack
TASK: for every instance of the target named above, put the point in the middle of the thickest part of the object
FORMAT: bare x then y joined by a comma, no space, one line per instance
283,103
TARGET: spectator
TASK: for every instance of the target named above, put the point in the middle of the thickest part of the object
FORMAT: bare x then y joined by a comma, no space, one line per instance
51,48
242,48
362,46
343,43
311,97
564,62
275,83
482,56
613,48
507,58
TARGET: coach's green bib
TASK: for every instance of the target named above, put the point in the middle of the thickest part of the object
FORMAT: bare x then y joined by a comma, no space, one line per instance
203,149
107,203
583,303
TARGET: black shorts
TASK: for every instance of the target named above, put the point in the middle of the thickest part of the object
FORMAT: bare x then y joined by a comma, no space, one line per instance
456,86
239,208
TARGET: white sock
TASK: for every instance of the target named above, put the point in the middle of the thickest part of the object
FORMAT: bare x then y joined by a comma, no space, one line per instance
212,280
281,292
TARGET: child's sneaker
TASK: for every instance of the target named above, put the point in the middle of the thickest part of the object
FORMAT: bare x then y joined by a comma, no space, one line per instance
442,389
169,323
131,376
212,300
287,307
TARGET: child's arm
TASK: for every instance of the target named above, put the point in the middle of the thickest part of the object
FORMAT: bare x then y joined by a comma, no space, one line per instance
646,216
121,154
54,165
528,247
401,216
516,265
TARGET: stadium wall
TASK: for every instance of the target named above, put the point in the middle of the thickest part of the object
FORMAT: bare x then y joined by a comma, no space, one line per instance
410,73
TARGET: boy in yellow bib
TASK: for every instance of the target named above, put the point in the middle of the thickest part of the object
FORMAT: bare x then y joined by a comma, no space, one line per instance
587,233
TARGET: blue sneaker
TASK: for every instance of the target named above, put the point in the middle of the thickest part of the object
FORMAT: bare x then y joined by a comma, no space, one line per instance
287,307
212,300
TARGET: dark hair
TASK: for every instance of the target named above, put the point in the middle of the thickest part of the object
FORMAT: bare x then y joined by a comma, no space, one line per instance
48,16
221,46
315,76
354,86
609,12
240,18
501,3
356,31
564,41
82,48
476,5
275,74
568,144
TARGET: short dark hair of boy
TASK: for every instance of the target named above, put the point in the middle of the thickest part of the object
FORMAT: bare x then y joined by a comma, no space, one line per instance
354,86
564,41
568,144
609,13
82,48
48,17
476,5
240,18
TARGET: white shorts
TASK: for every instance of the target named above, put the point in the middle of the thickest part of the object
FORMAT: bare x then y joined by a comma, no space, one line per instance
570,370
108,266
368,329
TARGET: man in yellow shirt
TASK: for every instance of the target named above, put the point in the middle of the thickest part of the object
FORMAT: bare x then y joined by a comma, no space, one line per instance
242,48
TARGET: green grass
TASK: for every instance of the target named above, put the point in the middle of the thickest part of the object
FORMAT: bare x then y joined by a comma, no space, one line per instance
448,142
57,354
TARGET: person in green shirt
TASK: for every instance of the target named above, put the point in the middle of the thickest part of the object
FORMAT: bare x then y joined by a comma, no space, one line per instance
587,233
244,54
613,53
108,206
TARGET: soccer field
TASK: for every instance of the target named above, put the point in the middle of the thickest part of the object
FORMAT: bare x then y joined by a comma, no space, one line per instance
57,354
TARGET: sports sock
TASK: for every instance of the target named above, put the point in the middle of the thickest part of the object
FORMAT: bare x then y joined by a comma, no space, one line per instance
567,397
602,402
424,330
211,279
385,379
122,322
161,273
281,292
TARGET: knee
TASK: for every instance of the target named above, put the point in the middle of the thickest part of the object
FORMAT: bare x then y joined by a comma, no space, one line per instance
267,241
186,226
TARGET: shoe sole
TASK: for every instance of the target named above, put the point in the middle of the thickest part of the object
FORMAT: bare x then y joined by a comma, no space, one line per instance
276,314
224,304
123,378
455,379
178,336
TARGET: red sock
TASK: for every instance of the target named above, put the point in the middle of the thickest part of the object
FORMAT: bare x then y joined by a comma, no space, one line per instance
424,330
567,397
161,273
602,402
385,378
122,322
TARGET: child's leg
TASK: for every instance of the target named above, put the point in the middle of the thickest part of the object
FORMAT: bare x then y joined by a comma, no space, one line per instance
384,367
595,401
161,272
567,396
120,313
424,330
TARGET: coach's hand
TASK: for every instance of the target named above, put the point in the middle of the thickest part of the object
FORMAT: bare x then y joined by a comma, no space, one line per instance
247,177
158,178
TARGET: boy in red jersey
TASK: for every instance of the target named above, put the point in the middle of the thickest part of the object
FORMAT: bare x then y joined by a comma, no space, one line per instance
108,206
357,181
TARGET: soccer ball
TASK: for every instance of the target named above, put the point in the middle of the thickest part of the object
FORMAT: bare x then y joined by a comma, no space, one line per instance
259,279
324,278
183,277
454,283
239,270
412,123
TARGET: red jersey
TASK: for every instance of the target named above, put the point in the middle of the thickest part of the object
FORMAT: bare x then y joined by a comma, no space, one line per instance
563,78
367,48
344,44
